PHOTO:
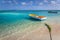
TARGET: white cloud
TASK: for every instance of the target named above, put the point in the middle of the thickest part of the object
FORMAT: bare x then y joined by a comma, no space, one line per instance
31,2
23,3
10,1
3,1
58,1
53,2
6,1
41,3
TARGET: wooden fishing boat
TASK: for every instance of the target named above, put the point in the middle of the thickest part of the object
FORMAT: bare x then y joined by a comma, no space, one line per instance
37,17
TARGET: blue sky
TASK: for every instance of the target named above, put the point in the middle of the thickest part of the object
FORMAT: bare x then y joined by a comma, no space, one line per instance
29,4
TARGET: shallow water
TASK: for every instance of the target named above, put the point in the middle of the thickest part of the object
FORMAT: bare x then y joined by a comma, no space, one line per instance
11,22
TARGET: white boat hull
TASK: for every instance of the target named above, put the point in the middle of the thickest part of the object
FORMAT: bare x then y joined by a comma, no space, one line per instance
39,18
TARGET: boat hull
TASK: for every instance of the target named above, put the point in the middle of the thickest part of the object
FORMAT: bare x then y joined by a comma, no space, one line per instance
39,18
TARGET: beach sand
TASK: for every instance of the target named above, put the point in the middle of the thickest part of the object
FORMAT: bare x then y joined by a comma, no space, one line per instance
35,32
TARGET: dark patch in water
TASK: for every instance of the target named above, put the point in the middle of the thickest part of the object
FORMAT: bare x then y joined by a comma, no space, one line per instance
54,12
33,19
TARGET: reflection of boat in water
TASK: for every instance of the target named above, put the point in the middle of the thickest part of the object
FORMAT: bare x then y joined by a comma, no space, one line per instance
52,12
37,17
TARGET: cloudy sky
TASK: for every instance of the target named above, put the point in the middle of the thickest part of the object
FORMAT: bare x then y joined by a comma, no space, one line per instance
29,4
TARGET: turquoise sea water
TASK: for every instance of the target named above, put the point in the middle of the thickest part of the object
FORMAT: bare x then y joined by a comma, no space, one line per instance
11,21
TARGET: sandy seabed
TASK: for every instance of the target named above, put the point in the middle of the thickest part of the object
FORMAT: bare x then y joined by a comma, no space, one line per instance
32,31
